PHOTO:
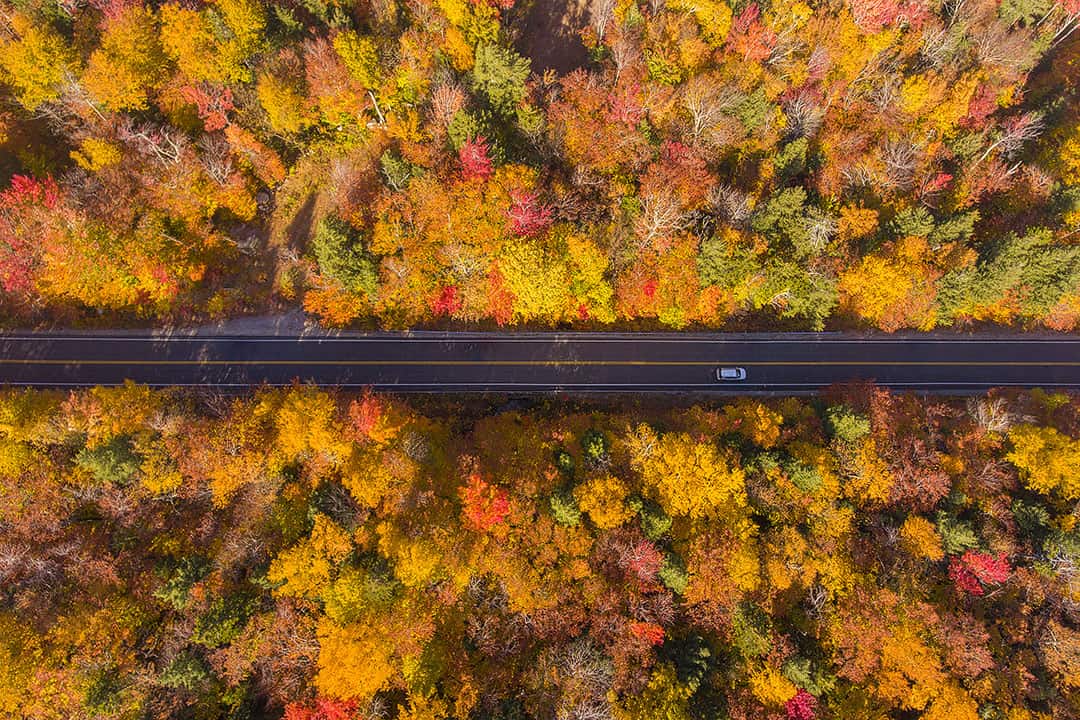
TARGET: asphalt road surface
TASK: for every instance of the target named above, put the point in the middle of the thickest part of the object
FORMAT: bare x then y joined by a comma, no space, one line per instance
571,362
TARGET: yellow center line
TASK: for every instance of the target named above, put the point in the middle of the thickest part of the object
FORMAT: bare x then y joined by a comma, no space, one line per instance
546,363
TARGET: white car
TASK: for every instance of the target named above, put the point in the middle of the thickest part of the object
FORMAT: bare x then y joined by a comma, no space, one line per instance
730,374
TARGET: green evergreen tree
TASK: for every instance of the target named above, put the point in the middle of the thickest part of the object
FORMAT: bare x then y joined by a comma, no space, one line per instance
341,256
500,75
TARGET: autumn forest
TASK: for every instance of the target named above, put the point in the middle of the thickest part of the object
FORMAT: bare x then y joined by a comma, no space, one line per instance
337,557
304,553
881,164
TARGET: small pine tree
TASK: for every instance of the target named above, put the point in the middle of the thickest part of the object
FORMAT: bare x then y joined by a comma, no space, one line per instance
564,508
956,535
595,447
341,256
499,75
673,574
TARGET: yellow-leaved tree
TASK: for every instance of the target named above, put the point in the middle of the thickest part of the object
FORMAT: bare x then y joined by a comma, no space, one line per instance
1049,461
355,662
592,292
129,63
953,703
21,655
284,103
714,17
602,497
105,412
689,477
911,674
308,427
754,421
29,415
664,698
868,479
1066,156
159,472
417,561
921,539
214,45
36,62
26,424
306,569
893,289
359,56
538,279
771,687
371,475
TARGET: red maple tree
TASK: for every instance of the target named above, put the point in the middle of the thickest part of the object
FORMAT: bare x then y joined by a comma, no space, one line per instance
873,15
483,505
649,632
212,103
626,106
21,210
475,157
802,706
974,571
982,104
643,560
364,414
447,301
323,709
528,216
749,36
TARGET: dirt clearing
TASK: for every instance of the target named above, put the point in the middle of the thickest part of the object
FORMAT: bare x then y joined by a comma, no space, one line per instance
550,35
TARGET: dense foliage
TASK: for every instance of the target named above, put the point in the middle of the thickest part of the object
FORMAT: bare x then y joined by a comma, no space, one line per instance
303,555
885,163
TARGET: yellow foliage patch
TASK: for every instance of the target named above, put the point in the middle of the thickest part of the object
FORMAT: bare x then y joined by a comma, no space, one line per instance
870,479
602,498
354,662
754,421
305,569
689,477
1049,461
771,687
921,538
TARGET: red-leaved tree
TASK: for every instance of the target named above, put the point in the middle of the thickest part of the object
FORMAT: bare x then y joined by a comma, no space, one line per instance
483,505
364,414
528,216
323,709
447,301
475,157
24,208
749,36
974,572
212,103
625,105
642,559
981,106
873,15
802,706
649,632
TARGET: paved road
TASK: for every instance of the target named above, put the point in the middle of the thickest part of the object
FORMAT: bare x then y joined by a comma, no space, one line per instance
542,362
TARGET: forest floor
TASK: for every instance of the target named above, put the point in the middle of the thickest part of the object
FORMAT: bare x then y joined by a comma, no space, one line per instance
550,35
